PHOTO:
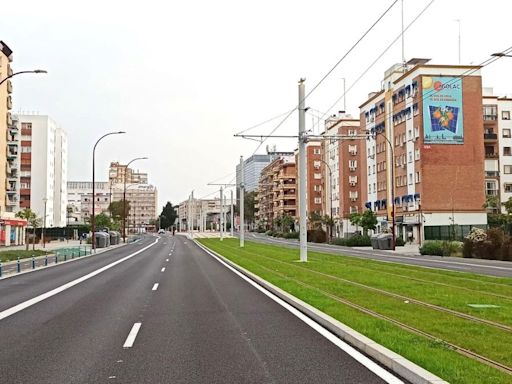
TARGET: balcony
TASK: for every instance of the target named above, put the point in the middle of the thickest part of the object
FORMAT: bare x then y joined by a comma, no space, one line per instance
490,137
492,174
491,155
9,86
11,201
9,102
289,186
491,117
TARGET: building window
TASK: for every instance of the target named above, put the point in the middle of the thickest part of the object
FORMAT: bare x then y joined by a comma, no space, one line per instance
318,200
506,151
316,151
410,157
507,169
410,178
506,132
508,187
316,164
417,178
490,188
417,154
505,115
352,164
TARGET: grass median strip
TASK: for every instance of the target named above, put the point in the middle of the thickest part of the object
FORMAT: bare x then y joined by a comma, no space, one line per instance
320,281
22,254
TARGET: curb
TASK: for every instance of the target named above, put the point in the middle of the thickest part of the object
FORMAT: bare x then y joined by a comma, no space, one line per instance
387,358
14,274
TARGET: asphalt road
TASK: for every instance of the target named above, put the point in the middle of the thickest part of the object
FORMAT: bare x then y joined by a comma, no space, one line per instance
159,312
482,267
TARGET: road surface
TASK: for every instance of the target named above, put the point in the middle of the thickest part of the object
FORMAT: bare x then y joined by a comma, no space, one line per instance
160,311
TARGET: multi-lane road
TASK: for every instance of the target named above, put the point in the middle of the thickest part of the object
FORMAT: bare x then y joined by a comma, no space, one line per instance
161,310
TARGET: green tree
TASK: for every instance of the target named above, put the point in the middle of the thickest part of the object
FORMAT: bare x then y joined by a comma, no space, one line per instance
102,220
116,210
168,215
368,221
315,220
355,219
33,221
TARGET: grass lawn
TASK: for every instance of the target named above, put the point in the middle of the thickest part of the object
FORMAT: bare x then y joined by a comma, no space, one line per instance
22,254
327,279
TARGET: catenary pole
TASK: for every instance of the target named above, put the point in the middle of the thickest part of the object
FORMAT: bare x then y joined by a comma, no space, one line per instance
302,174
221,212
242,203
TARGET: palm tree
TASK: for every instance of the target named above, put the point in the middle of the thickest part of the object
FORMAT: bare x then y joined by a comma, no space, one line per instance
33,221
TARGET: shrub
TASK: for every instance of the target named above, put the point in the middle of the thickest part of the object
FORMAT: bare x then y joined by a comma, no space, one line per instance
291,235
432,247
278,234
467,250
354,241
317,236
399,242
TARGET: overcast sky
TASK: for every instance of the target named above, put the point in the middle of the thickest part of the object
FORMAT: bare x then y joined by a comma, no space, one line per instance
181,77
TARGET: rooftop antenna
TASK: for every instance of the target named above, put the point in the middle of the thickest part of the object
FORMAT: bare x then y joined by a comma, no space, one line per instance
403,38
458,21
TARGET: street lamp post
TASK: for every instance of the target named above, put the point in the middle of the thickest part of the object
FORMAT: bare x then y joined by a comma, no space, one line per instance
330,197
93,216
124,195
21,72
45,200
393,222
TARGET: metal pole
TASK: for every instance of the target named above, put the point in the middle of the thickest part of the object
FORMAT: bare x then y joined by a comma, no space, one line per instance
302,175
44,222
403,37
242,203
220,215
344,95
232,215
192,213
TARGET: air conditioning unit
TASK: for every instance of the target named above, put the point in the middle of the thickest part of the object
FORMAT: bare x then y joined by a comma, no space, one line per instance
352,169
353,199
353,184
402,165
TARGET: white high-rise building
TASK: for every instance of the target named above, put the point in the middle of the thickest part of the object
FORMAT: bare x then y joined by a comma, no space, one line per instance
43,178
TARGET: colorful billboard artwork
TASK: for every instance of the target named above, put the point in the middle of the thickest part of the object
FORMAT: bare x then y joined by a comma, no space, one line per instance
442,110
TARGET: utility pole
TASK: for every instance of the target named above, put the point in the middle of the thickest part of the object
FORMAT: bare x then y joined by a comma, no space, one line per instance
242,203
221,213
232,215
302,174
192,214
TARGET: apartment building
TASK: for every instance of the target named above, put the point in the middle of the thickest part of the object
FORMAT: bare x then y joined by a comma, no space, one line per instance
496,114
205,213
426,149
78,192
43,170
12,229
118,172
344,173
316,182
143,199
277,191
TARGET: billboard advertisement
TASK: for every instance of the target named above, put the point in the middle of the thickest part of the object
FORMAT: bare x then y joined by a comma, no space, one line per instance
442,110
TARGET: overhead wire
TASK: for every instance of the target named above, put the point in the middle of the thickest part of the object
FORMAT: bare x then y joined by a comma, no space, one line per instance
265,137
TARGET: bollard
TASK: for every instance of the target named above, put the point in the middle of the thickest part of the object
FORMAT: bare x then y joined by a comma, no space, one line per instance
56,258
18,266
33,262
65,257
72,254
0,270
46,261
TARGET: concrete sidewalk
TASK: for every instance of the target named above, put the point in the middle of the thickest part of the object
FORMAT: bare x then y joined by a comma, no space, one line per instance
51,246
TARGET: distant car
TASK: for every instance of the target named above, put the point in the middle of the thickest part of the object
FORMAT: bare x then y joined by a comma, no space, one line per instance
161,232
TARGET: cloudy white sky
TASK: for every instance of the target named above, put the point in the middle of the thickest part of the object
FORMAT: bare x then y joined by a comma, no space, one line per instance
181,77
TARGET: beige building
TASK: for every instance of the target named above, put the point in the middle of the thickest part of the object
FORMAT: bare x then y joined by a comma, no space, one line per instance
118,172
205,213
143,199
5,115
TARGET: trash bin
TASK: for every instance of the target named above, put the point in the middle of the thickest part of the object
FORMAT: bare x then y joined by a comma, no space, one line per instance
374,239
114,237
386,241
102,239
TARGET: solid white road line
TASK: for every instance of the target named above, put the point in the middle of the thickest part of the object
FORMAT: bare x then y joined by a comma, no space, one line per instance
155,287
11,311
358,356
132,335
163,269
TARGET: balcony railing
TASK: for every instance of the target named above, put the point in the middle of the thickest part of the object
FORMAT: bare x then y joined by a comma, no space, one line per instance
492,173
490,136
492,117
491,155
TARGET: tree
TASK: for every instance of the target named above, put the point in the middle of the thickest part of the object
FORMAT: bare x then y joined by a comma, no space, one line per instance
368,221
116,210
315,220
102,220
33,221
355,219
168,215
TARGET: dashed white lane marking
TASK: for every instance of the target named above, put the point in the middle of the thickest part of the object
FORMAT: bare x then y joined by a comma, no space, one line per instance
155,287
166,259
132,335
17,308
163,269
